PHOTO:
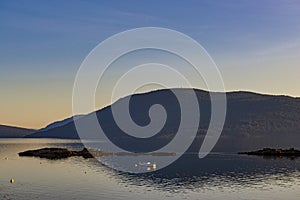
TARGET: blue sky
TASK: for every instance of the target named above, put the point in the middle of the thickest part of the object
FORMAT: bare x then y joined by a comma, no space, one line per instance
256,45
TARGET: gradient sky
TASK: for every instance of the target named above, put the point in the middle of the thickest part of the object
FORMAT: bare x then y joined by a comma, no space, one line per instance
256,45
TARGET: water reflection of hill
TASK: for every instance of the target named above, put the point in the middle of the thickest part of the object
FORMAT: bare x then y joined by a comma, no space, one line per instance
217,171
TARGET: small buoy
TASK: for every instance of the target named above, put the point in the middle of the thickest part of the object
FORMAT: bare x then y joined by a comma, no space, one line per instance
12,180
6,158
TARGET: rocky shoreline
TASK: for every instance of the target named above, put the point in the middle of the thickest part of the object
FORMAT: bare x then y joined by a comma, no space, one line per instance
292,152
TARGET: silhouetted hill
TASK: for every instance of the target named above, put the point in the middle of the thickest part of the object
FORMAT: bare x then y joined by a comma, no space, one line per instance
13,132
253,121
60,123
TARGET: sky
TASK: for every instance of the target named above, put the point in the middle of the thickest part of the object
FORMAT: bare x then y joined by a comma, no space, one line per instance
255,44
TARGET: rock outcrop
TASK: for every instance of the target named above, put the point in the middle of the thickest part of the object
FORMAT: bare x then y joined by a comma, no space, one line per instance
275,152
56,153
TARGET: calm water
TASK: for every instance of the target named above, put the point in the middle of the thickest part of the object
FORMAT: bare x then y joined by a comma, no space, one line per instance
219,176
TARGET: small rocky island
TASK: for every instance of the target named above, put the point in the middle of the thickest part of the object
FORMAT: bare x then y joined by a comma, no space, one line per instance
56,153
292,152
61,153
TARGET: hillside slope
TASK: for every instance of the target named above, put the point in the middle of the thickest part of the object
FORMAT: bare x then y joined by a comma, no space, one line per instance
14,132
253,121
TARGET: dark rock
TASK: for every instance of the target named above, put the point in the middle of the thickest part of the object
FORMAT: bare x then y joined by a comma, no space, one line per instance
292,152
56,153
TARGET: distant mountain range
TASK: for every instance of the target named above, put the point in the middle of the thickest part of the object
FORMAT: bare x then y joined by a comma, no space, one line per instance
17,132
60,123
253,121
14,132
